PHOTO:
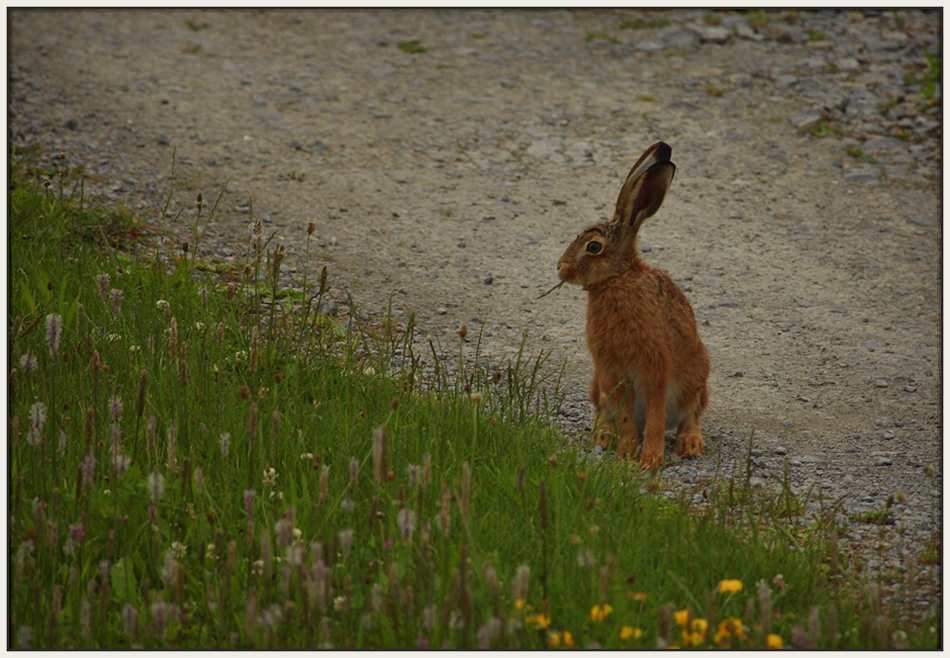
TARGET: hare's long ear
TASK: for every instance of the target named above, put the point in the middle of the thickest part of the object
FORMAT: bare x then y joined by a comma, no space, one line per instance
644,190
659,152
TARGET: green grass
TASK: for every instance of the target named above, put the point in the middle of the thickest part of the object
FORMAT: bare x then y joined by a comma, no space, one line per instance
856,152
639,23
199,459
412,47
826,128
591,36
929,78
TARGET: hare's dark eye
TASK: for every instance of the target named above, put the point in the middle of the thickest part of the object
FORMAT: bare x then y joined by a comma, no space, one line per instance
594,247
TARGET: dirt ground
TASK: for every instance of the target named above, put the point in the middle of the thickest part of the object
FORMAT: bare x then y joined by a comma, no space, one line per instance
451,180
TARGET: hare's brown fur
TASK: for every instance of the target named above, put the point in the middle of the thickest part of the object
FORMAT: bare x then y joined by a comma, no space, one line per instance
650,366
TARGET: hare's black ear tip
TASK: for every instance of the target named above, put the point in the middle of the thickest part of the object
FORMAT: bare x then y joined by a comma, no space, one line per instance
662,152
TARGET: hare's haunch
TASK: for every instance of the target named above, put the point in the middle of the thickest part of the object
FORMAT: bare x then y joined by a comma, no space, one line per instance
650,367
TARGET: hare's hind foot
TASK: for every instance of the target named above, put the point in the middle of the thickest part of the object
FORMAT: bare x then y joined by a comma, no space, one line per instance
602,438
628,447
689,443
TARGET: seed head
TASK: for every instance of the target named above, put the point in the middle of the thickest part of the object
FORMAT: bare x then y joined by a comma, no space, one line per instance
354,472
28,362
156,485
54,330
323,280
77,532
284,530
407,523
88,470
445,512
519,586
96,365
172,459
255,347
324,483
130,617
463,332
414,471
37,420
122,464
311,227
116,407
116,295
379,454
346,541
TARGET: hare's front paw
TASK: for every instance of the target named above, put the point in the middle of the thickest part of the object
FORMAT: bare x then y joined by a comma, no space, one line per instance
690,444
652,460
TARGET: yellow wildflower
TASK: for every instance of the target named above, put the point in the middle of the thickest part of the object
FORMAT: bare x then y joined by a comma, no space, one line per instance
774,641
541,619
598,613
695,635
554,638
568,639
730,586
682,617
727,627
639,596
519,603
692,639
627,633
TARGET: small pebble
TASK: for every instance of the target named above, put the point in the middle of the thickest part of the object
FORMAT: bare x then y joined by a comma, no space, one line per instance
883,461
910,389
888,435
781,450
881,383
489,280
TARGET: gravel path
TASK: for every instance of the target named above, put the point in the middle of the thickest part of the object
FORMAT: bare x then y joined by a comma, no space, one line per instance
447,157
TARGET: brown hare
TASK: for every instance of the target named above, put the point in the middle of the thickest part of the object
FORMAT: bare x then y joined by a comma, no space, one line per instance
650,367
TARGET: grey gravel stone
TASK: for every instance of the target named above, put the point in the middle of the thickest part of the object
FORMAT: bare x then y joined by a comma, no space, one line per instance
714,34
862,175
683,39
883,144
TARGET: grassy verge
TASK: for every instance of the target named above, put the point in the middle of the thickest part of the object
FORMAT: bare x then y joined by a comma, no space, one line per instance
199,459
